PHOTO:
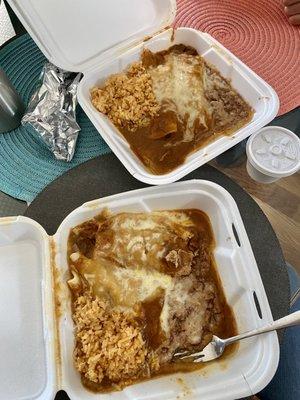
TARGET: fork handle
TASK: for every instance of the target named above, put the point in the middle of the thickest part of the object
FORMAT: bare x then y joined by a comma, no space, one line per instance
289,320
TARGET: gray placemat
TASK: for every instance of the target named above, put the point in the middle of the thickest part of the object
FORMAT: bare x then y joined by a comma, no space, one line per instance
104,176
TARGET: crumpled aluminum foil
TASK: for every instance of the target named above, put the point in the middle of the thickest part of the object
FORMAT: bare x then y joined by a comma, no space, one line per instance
51,111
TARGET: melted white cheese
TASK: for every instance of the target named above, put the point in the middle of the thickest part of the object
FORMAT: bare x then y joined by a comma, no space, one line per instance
179,86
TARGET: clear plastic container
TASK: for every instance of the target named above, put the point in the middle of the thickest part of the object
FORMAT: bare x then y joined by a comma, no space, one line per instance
35,308
104,37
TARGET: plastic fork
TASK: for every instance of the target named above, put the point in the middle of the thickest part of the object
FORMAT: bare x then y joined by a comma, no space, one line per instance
217,346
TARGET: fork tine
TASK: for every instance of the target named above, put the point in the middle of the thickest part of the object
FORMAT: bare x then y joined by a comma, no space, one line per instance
181,353
207,354
185,355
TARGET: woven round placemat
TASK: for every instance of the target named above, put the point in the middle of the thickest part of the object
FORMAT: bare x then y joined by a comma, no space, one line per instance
256,31
26,165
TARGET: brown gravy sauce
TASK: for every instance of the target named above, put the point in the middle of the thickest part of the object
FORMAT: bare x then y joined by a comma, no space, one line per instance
151,308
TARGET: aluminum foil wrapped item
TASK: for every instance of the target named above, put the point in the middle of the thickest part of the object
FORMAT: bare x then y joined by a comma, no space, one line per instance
51,111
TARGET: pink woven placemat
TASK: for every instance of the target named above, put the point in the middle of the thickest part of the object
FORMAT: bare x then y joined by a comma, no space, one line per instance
256,31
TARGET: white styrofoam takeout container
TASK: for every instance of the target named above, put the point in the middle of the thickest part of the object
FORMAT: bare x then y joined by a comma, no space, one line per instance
32,368
102,37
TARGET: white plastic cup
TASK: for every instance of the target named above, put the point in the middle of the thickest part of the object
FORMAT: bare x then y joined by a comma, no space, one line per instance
273,153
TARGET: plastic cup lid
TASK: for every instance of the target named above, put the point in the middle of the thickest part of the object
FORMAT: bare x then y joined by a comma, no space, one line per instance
274,151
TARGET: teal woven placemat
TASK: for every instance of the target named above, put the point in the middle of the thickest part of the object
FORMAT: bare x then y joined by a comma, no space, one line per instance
26,165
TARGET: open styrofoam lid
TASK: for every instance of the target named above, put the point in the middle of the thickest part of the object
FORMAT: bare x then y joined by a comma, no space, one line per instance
27,369
76,34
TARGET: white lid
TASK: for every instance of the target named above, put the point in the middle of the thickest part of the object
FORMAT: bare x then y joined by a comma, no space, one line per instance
76,34
274,151
27,361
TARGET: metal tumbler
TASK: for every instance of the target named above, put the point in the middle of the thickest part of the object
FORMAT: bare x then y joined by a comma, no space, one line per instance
11,105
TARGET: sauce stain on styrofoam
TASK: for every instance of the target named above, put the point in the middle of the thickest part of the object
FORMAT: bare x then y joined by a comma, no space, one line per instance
57,306
264,98
222,363
186,390
149,37
8,220
92,205
223,53
173,35
207,369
